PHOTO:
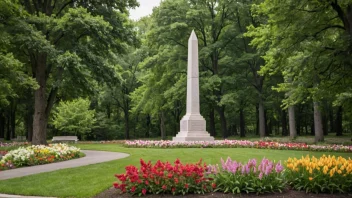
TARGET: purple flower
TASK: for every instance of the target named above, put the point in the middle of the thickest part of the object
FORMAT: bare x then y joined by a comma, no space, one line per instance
279,167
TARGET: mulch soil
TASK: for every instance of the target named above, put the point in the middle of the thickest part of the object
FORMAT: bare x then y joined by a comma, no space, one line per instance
112,192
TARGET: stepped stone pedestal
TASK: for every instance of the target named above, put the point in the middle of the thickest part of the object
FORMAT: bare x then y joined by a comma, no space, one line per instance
193,125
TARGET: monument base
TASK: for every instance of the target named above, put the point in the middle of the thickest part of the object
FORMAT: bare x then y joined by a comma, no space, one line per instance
193,129
185,139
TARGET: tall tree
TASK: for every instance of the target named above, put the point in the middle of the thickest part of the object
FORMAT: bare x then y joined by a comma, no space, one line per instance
309,42
67,38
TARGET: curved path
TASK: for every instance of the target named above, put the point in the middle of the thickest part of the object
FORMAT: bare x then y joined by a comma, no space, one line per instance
92,157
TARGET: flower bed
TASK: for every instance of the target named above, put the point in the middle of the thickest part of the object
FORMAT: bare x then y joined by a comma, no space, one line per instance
38,154
164,178
2,153
326,174
235,177
235,144
13,144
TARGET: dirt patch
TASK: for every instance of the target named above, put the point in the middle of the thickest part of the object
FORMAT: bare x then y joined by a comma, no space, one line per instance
112,193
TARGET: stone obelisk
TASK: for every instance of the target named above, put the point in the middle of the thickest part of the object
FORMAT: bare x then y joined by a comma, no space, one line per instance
193,125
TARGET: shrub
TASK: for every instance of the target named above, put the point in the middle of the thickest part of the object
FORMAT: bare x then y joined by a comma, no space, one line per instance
38,154
326,174
164,178
235,177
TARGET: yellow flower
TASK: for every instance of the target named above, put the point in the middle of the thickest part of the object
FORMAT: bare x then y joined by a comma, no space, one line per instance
310,178
342,167
332,172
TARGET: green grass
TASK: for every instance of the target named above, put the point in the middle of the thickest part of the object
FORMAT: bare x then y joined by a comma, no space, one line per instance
90,180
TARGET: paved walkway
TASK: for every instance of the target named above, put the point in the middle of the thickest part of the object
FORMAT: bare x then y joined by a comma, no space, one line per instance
92,157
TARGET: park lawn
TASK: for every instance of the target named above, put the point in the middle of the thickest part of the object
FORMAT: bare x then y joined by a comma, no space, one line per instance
90,180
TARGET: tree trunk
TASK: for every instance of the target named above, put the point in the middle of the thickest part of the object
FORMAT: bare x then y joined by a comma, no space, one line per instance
234,129
261,118
162,126
299,126
127,124
267,124
292,122
2,125
13,124
242,124
256,120
135,126
318,125
40,120
28,121
339,121
331,120
13,107
284,123
269,127
221,111
8,131
148,126
325,124
212,122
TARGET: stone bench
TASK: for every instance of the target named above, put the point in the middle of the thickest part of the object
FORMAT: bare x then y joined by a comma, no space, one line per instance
65,139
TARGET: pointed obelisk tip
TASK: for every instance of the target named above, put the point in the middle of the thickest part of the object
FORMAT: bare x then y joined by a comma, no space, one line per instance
193,36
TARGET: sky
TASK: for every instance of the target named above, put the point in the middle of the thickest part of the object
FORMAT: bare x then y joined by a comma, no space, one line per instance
145,8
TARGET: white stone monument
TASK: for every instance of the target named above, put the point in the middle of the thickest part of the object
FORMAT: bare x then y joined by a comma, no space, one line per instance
193,126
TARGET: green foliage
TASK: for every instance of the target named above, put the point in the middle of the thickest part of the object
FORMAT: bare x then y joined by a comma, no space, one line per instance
236,184
74,116
307,42
106,128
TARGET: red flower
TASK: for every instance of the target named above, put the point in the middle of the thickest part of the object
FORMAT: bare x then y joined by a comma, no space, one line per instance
164,187
169,175
176,180
213,185
144,191
133,188
186,186
146,182
173,189
116,185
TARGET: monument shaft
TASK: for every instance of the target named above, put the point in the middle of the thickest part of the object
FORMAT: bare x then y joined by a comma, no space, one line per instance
192,105
193,125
